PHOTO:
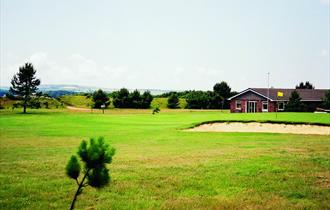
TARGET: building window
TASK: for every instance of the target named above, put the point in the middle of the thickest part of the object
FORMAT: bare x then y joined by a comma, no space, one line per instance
265,106
280,106
238,105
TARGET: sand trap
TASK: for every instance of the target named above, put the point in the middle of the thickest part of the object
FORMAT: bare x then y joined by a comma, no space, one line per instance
262,128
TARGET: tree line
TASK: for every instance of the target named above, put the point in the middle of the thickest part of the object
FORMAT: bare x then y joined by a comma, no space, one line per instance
216,99
24,86
296,105
122,99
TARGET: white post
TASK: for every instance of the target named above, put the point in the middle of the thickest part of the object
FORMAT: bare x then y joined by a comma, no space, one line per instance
268,92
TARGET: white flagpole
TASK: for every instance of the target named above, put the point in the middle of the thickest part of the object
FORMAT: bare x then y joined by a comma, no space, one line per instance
268,92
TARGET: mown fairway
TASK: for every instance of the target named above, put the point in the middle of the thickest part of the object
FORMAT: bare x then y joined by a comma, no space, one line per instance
159,166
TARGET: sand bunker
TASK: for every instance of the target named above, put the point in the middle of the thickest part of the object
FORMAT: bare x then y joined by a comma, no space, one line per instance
263,128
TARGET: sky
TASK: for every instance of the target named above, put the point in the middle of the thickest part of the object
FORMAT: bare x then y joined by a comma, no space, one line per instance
169,45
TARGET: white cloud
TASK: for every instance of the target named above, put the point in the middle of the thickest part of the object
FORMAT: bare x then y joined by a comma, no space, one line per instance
76,69
49,71
324,53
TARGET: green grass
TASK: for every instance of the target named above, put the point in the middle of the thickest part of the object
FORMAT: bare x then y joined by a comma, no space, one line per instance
162,103
84,102
77,101
52,103
160,166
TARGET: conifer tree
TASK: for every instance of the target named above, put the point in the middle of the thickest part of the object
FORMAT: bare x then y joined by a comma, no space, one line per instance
95,156
294,104
173,101
24,84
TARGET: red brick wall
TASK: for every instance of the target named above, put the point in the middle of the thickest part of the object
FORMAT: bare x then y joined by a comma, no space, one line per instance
271,106
243,105
233,106
259,106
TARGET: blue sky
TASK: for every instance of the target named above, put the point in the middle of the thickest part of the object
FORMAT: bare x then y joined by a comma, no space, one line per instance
172,44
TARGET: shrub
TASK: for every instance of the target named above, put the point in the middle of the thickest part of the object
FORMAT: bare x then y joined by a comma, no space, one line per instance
156,110
34,103
197,100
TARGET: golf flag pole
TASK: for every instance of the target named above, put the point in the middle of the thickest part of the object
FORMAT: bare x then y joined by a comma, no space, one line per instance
268,92
279,94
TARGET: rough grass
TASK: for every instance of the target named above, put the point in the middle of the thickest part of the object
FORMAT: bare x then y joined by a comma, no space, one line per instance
84,102
52,103
77,101
162,103
158,166
6,103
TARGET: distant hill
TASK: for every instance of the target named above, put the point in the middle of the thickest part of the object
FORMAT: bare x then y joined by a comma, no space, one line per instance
3,92
60,90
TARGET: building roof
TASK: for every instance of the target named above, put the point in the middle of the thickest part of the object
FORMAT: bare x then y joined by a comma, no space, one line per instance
305,94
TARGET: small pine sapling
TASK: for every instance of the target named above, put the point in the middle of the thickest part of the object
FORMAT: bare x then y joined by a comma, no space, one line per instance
95,156
156,110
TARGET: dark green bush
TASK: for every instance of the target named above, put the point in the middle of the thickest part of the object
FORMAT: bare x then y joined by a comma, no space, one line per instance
173,101
294,104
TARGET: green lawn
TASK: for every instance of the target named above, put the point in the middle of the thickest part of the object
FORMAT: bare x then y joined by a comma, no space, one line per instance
160,166
162,103
84,102
77,101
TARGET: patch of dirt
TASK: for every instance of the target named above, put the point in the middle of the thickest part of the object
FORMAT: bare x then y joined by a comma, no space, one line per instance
78,109
323,179
262,128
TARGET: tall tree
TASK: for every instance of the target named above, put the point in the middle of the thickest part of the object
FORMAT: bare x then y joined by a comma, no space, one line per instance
306,85
222,89
135,98
24,83
146,98
173,101
294,104
222,92
121,98
100,98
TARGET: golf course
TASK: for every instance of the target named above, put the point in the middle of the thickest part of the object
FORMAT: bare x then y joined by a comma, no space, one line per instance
160,165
